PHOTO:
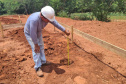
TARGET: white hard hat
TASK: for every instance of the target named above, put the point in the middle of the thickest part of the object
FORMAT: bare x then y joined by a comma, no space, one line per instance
48,12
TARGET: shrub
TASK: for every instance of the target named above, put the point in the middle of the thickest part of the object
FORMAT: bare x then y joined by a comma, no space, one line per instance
102,15
82,16
63,14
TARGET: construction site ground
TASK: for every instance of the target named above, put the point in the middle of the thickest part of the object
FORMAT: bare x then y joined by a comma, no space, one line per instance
91,64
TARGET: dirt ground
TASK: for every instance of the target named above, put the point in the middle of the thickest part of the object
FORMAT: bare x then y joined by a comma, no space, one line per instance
92,64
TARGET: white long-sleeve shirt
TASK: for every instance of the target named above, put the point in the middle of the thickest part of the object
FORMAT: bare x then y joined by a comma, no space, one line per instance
35,24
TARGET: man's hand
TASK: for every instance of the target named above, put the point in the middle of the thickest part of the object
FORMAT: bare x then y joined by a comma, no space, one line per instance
67,32
37,48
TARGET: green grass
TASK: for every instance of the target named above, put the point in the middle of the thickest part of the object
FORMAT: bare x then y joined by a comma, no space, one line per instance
82,16
2,0
117,16
88,15
6,0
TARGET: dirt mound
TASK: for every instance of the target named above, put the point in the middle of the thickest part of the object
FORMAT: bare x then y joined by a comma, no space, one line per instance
6,20
17,35
17,65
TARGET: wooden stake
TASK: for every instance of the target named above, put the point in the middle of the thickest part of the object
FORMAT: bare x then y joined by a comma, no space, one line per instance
68,48
11,17
26,16
72,34
1,28
19,18
54,29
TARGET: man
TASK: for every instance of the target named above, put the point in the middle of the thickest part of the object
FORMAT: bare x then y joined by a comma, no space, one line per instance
33,32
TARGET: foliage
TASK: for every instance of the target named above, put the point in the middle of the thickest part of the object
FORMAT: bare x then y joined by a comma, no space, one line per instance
100,8
56,5
84,5
63,14
114,7
82,16
121,6
2,8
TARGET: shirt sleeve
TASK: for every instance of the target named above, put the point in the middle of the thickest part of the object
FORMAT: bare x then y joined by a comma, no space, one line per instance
33,31
56,24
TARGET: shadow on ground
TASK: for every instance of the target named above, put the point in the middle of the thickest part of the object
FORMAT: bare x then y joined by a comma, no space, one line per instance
51,67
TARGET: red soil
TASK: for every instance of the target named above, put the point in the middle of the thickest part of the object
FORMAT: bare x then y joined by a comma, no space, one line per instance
92,64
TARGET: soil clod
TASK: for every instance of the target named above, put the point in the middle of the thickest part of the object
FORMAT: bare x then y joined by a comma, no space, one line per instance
65,61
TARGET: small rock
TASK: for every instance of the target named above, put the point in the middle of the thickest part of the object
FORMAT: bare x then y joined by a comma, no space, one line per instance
46,36
32,66
59,45
6,59
49,43
23,55
80,80
54,77
22,59
5,50
2,76
45,46
109,63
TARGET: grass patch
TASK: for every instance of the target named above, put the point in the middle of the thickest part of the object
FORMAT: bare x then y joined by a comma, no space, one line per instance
117,16
82,16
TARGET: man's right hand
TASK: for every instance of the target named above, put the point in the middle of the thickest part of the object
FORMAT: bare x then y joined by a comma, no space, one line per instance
37,48
67,32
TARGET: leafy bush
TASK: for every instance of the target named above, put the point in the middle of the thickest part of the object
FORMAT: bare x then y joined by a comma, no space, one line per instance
102,15
82,16
100,10
63,14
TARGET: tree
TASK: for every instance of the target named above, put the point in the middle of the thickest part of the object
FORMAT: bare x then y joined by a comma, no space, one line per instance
12,6
122,6
101,9
31,6
2,8
56,4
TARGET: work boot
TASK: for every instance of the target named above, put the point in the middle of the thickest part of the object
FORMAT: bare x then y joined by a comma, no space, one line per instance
47,63
39,72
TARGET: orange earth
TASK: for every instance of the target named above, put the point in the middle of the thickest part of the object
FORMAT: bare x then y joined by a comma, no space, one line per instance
91,64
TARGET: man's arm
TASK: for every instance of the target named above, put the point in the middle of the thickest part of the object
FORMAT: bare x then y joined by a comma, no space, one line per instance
60,27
